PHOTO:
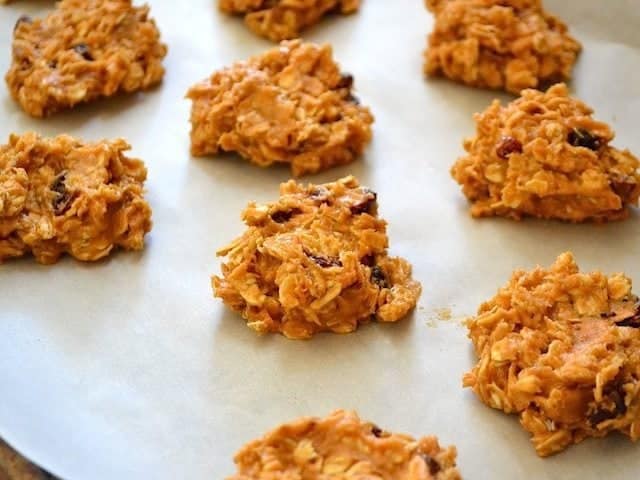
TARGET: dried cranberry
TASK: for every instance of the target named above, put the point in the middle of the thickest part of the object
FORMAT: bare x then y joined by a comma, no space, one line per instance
432,464
616,394
346,81
632,321
351,98
83,50
623,187
366,203
507,146
319,194
324,262
368,260
378,277
62,198
22,19
283,216
579,137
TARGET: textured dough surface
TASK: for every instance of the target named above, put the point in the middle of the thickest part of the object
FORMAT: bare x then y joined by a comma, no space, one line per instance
343,447
285,19
62,195
561,349
82,51
315,260
500,44
289,105
543,155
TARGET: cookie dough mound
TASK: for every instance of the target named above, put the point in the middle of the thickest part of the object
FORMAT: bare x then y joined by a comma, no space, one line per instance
84,50
499,44
544,156
562,350
61,195
343,446
285,19
290,105
315,260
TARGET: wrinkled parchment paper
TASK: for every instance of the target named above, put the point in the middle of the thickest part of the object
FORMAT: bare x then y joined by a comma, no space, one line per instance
129,369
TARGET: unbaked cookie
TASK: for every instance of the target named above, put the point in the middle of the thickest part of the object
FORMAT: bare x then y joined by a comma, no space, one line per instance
289,105
315,260
544,156
341,446
500,44
61,195
82,51
561,349
285,19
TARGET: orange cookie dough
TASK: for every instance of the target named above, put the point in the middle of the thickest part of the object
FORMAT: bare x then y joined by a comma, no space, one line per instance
341,446
82,51
61,195
561,349
285,19
500,44
544,156
315,260
288,105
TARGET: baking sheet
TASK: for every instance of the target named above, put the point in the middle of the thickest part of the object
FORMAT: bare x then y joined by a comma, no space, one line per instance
128,368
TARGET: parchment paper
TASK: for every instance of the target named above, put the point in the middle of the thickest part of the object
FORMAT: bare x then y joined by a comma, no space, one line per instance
129,369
